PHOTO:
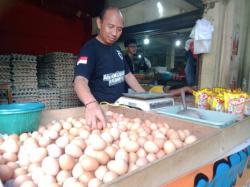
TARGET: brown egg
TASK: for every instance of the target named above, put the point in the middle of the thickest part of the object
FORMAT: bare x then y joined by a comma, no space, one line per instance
13,165
187,132
62,141
114,132
101,156
85,177
50,165
160,154
141,161
151,157
10,157
84,133
56,126
79,142
5,173
141,153
131,146
2,160
28,184
73,150
169,147
190,139
33,167
107,137
62,176
181,134
44,141
132,157
66,162
151,147
109,176
132,167
94,182
38,155
89,163
66,125
69,182
46,180
77,170
37,174
121,154
118,166
100,172
111,151
53,134
20,180
97,143
177,142
10,145
14,137
54,150
159,142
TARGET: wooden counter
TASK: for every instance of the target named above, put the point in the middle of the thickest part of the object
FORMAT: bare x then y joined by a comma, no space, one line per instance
212,145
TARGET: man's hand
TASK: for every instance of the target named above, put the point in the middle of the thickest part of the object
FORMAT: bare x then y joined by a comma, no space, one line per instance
94,116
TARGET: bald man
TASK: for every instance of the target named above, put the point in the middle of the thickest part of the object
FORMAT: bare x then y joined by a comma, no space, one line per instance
101,72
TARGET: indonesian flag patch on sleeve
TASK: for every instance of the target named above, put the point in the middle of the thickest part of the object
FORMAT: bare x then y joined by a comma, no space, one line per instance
82,60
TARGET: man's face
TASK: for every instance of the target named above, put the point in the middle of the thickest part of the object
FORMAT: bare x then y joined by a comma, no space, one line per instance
132,48
110,27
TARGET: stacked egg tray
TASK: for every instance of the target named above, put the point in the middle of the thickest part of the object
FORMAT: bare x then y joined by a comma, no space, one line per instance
50,97
56,70
5,75
23,78
68,98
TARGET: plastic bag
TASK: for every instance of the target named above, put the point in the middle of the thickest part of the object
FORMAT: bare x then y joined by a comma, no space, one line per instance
202,46
202,35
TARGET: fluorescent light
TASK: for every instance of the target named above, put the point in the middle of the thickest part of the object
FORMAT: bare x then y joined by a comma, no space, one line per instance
177,43
146,41
160,8
139,56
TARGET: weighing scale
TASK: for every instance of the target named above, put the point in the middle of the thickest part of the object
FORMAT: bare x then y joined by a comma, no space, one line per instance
146,101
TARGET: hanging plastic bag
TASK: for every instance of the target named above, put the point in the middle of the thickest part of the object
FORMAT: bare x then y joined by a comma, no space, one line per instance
202,35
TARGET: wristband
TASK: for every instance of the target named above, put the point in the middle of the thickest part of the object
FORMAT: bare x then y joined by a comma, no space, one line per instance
94,101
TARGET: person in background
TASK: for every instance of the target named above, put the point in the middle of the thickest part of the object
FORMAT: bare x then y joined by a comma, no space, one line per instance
144,63
101,72
191,63
131,46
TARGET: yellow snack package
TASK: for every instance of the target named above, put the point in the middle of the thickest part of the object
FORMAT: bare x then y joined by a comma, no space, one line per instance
218,103
203,98
234,102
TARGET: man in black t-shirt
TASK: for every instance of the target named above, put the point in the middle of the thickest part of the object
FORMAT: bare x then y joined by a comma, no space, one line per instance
101,73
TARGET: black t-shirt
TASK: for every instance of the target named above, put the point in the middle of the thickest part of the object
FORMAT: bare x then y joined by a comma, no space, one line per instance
105,69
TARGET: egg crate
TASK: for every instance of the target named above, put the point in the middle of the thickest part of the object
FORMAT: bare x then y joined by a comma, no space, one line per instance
19,87
31,79
5,58
24,100
25,92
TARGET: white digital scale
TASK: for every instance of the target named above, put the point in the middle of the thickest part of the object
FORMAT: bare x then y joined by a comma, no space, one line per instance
146,101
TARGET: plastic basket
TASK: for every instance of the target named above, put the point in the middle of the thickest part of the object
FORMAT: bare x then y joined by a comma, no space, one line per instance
20,117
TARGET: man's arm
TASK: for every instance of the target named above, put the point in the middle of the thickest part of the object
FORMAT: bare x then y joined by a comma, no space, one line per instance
93,112
133,83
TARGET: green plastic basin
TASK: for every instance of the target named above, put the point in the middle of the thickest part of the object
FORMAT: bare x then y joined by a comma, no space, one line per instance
18,118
